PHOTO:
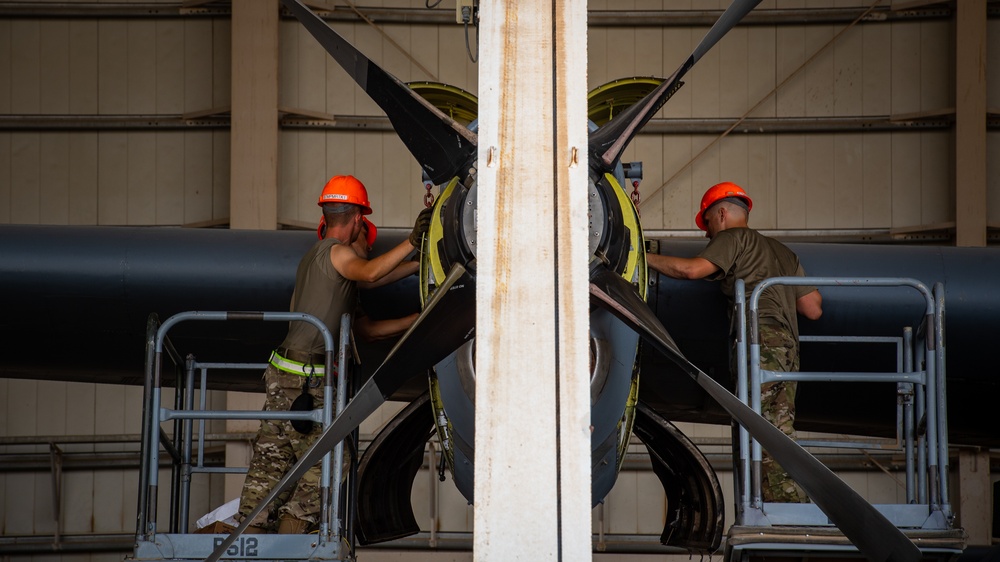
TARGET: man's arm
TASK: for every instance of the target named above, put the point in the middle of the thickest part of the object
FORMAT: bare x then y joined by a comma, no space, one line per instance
352,266
370,330
681,268
402,270
356,268
810,305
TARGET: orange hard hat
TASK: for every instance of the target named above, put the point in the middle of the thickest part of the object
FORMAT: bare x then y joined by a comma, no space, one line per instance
717,193
346,189
370,237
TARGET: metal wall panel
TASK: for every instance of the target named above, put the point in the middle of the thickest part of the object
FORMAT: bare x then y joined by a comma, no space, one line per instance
808,175
992,65
6,176
92,500
6,62
311,81
197,164
992,177
82,176
112,67
992,105
25,160
177,65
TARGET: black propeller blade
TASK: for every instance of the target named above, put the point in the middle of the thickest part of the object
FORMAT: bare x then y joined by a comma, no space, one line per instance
873,534
608,142
448,321
441,145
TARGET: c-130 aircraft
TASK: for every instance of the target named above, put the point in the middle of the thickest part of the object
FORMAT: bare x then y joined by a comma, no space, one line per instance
442,336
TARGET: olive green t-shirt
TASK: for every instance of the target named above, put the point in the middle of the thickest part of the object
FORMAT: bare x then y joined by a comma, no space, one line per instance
744,253
322,291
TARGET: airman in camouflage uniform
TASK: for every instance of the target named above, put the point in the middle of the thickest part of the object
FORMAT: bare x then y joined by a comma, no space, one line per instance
736,251
326,286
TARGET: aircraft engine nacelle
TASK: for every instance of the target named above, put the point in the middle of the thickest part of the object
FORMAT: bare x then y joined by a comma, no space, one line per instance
396,454
615,236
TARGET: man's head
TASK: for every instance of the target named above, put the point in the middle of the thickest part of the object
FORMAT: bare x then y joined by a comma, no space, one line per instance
344,200
368,228
342,221
724,205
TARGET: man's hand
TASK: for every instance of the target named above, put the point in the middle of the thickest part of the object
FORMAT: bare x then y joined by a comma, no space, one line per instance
810,305
420,227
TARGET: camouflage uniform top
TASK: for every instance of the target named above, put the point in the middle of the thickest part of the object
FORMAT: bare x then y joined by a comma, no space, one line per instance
744,253
322,291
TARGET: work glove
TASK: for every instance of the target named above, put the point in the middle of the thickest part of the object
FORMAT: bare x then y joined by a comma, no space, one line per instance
420,227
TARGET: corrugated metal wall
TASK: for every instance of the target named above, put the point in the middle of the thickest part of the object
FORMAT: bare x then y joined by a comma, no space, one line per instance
177,66
89,66
101,500
311,80
113,67
830,180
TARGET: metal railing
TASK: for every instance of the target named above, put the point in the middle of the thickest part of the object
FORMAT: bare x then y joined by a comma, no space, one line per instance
920,387
188,453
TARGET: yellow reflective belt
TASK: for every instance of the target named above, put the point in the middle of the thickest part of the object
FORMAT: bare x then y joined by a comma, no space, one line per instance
296,368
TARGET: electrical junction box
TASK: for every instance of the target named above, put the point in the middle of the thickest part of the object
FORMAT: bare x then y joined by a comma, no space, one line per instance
467,16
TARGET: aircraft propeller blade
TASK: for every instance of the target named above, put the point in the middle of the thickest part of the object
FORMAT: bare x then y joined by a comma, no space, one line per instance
446,323
877,538
441,145
609,142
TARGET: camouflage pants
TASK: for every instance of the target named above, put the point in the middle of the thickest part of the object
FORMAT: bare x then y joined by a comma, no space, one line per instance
778,352
276,449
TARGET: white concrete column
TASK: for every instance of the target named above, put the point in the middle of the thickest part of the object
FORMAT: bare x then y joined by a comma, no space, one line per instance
532,489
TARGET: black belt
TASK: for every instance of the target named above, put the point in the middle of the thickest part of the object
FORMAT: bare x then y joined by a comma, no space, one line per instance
302,357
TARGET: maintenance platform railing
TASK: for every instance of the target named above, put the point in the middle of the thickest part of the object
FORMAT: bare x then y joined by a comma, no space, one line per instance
921,426
188,453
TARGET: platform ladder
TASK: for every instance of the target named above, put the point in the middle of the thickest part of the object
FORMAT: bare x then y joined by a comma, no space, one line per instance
764,529
334,540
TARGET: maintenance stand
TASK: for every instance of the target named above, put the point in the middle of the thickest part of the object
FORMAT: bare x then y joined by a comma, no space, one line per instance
333,542
801,531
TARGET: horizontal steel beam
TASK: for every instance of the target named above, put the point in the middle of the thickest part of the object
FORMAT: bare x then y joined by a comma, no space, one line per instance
378,123
39,544
105,438
71,462
112,10
777,125
423,16
108,122
667,18
802,16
